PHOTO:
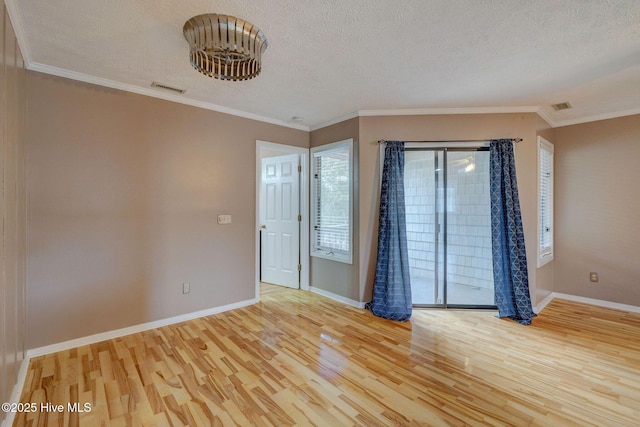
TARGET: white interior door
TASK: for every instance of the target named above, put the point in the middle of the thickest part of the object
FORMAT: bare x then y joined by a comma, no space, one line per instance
280,226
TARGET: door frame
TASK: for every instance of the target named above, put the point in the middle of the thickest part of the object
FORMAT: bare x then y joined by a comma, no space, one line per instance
269,149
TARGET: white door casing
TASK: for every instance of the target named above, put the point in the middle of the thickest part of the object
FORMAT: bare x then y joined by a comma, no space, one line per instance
280,225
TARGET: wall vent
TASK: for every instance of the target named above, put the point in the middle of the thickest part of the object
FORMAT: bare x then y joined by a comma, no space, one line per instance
163,86
561,106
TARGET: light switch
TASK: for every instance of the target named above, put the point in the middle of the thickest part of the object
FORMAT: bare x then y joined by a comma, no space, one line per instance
224,219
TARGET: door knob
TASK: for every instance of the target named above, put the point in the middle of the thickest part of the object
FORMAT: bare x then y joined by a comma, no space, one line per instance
263,226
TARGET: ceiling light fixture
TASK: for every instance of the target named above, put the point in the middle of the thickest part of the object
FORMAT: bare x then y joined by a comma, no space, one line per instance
225,47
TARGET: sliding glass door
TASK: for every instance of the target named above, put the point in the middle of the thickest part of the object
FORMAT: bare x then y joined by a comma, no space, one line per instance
449,227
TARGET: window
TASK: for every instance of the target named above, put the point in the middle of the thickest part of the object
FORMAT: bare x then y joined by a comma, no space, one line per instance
332,201
545,201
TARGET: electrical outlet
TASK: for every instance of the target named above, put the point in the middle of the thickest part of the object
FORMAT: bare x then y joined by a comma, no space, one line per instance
224,219
593,276
186,288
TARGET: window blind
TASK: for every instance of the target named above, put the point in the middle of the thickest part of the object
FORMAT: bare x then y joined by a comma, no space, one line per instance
545,203
332,207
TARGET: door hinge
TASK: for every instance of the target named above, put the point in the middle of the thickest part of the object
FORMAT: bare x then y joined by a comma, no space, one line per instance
299,168
299,217
299,267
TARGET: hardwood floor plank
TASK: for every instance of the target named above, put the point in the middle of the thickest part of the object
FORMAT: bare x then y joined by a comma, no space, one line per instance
297,358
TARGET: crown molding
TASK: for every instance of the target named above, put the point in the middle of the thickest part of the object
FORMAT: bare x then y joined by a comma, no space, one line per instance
443,111
540,111
429,112
86,78
334,121
597,117
546,117
61,72
18,29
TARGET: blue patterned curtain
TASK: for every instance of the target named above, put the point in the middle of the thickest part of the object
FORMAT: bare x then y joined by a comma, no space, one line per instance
392,288
510,276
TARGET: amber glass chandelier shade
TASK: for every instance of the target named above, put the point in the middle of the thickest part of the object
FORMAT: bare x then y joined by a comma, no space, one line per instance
225,47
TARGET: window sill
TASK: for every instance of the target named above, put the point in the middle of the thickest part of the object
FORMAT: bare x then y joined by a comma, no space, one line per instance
344,258
544,259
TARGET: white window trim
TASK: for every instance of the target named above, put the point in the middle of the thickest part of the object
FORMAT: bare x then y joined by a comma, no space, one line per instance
318,252
545,255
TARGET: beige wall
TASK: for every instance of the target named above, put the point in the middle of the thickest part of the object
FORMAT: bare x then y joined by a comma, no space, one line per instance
331,276
445,127
123,196
12,209
597,209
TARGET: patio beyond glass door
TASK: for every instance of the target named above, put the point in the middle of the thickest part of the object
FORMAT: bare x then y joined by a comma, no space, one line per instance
449,227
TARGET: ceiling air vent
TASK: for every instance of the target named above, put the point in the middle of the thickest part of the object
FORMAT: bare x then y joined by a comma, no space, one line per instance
165,87
561,106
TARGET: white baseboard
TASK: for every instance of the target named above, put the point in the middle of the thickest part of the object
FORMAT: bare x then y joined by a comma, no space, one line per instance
538,308
598,302
17,390
91,339
339,298
103,336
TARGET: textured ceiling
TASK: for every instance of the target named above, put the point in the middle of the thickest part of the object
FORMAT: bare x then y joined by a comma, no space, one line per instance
330,59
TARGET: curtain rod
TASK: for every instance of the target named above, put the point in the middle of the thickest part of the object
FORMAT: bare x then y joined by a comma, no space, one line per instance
516,140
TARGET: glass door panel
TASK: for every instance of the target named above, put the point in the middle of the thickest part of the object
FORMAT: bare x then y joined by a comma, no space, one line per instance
469,263
423,177
449,227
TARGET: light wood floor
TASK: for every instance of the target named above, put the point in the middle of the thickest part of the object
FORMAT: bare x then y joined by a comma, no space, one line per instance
297,358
